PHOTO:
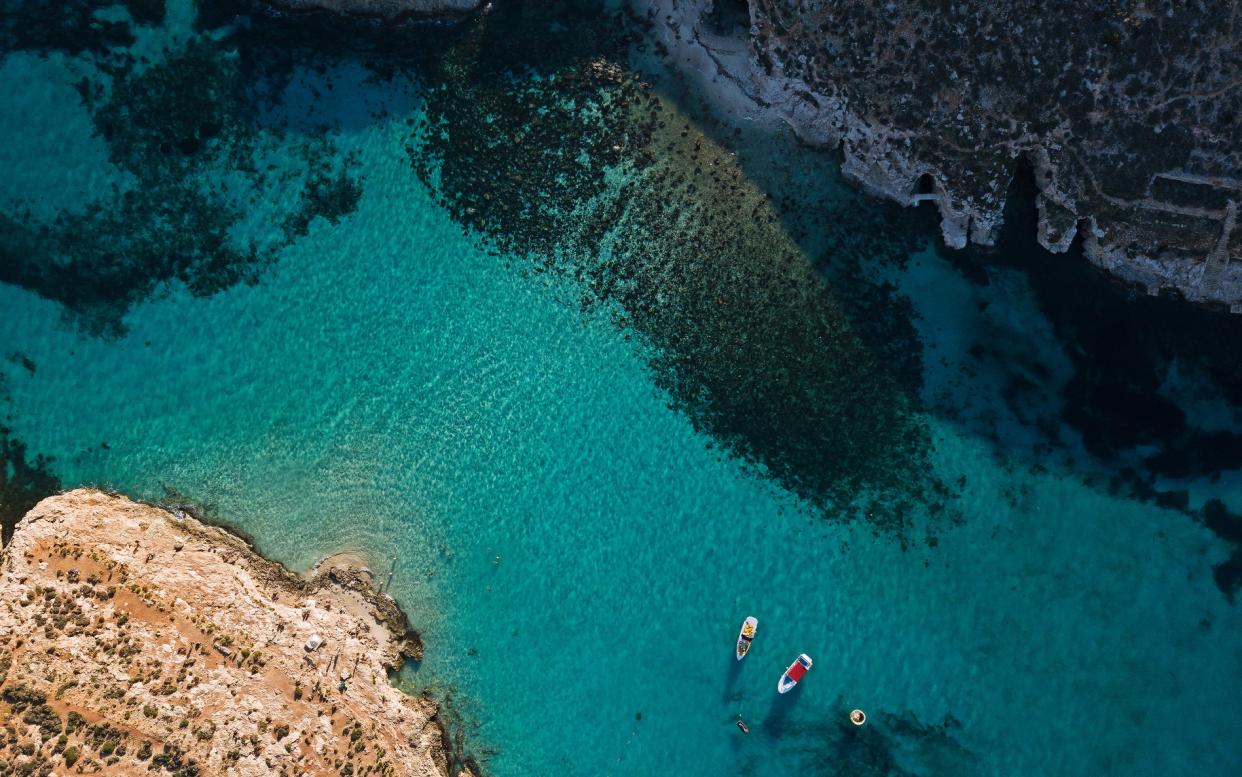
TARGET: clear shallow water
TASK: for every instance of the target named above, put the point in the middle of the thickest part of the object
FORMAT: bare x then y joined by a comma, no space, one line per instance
390,386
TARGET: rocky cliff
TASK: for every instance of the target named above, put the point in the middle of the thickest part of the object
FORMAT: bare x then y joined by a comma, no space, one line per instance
1129,112
136,640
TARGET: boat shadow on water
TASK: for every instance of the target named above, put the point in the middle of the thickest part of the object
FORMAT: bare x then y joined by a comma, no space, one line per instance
778,711
732,673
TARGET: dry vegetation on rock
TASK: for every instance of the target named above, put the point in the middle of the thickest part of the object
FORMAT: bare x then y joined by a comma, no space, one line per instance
132,641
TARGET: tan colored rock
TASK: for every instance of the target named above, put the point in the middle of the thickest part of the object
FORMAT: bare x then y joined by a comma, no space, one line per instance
141,652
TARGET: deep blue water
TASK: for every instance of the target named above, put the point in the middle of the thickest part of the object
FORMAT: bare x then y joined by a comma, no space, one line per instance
604,377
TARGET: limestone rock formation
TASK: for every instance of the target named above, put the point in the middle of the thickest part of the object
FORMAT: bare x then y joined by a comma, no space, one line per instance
1129,112
133,639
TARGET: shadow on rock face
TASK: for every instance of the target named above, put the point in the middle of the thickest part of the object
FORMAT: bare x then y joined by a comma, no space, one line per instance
1152,387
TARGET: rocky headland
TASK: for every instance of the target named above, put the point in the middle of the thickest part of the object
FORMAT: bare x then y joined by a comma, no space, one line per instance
1128,113
136,639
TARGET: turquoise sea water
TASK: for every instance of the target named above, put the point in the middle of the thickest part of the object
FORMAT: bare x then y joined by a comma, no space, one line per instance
577,553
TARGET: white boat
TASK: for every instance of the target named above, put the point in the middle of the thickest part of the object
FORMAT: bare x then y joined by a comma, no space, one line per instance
744,637
796,671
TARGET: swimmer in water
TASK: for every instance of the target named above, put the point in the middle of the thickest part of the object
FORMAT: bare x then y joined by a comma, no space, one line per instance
742,726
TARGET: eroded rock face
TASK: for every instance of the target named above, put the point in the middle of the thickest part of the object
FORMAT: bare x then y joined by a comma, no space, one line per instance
1130,113
133,639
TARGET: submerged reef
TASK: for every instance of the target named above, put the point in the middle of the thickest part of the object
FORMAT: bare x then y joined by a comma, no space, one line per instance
387,10
194,154
538,137
892,744
23,481
1128,112
72,27
134,639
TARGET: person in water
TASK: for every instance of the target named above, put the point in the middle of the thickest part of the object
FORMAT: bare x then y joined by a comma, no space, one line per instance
742,726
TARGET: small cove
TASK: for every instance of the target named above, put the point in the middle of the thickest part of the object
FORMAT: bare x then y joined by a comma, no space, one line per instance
578,547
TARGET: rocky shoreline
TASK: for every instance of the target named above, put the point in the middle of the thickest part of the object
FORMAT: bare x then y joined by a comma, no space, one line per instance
1127,116
133,637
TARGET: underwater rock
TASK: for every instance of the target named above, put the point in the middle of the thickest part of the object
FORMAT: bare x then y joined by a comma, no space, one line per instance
196,113
1127,112
386,9
538,138
23,482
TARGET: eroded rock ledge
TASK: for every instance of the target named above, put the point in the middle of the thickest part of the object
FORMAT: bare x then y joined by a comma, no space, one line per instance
134,639
1129,112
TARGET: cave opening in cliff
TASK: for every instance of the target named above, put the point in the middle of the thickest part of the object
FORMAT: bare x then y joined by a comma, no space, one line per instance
726,16
926,184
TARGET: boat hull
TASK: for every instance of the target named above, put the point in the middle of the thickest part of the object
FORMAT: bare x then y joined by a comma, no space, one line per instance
747,635
794,674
